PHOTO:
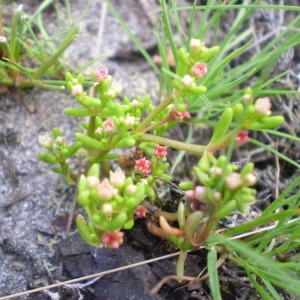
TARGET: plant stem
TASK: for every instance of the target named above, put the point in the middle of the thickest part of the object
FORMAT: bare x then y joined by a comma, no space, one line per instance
197,149
91,126
153,114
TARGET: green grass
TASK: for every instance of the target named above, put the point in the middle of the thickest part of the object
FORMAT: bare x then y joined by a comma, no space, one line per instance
28,40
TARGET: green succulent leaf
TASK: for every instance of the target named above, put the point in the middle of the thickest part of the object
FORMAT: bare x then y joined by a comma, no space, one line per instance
77,112
115,224
222,127
88,141
86,233
49,159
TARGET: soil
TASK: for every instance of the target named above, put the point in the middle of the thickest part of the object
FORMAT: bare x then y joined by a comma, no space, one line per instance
35,203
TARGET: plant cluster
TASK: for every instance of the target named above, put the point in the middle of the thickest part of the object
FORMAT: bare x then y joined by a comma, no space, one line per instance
111,200
125,141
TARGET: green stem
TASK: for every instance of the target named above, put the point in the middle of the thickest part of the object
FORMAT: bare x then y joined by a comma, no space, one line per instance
91,126
153,114
221,144
180,264
69,175
197,149
162,122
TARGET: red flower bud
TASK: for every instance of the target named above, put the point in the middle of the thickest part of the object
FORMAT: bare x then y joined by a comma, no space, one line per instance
160,151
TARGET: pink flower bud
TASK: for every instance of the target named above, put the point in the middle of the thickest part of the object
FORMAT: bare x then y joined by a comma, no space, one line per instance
186,114
109,125
60,140
77,89
199,70
190,195
117,178
200,193
140,211
177,115
105,190
250,179
241,138
233,181
196,203
143,166
113,239
160,151
100,74
263,106
215,171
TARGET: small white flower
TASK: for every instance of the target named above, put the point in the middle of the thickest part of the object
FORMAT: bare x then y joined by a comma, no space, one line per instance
107,209
99,131
187,81
131,189
3,39
195,44
106,191
117,178
92,181
111,93
19,8
144,181
129,121
263,106
77,89
135,103
45,140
